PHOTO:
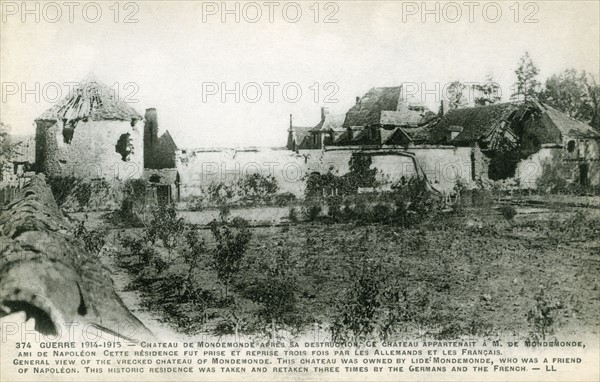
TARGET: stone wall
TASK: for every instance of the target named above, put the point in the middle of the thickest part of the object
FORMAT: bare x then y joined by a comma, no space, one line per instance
531,169
199,168
47,273
92,150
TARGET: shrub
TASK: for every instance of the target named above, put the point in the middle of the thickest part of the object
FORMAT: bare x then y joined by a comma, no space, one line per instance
276,291
381,213
311,211
239,222
357,312
335,207
415,200
140,247
508,212
284,199
231,246
257,186
93,240
293,215
166,226
62,187
542,315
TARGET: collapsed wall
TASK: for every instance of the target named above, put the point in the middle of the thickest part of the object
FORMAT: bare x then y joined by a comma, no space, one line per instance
48,274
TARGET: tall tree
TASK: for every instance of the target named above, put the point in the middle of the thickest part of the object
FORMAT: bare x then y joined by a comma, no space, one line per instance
488,91
575,94
7,148
455,94
594,97
527,86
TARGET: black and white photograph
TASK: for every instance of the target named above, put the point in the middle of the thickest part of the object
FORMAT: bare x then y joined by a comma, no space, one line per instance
299,190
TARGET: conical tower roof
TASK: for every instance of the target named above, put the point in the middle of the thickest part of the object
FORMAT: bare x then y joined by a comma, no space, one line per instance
92,100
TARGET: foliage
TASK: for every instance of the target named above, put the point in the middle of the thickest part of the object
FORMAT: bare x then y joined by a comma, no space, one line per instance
454,94
357,312
231,246
414,200
166,226
360,175
508,212
527,86
316,183
193,256
257,186
62,187
575,94
311,211
141,248
489,90
7,148
276,289
542,315
284,199
93,240
553,179
293,215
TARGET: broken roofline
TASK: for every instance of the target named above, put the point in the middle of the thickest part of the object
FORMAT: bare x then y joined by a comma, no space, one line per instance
91,100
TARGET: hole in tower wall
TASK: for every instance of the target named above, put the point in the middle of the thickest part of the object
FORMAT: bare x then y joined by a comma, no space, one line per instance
124,147
68,130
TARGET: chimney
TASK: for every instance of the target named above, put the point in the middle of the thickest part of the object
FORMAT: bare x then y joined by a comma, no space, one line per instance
150,126
350,133
324,112
150,137
290,129
357,99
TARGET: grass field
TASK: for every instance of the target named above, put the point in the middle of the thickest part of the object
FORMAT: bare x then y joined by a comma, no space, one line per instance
474,273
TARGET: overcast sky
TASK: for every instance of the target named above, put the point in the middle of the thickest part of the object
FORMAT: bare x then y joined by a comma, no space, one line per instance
173,57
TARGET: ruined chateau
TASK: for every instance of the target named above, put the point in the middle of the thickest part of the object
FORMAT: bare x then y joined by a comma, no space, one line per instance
93,134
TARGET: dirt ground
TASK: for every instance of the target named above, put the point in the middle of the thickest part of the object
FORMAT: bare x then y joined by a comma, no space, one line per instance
473,273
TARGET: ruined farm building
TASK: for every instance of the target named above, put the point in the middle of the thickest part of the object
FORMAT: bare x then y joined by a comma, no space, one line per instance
90,133
523,140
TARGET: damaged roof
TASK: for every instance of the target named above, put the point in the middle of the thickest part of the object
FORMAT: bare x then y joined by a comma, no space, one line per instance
475,121
299,133
93,100
385,106
568,127
330,122
478,122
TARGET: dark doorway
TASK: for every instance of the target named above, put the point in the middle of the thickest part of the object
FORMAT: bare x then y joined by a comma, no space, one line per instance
163,194
584,170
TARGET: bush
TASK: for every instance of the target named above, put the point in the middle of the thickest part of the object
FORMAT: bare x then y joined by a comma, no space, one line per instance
284,199
62,187
359,309
276,291
311,211
542,315
381,213
257,186
166,226
226,257
239,222
508,212
93,240
293,215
